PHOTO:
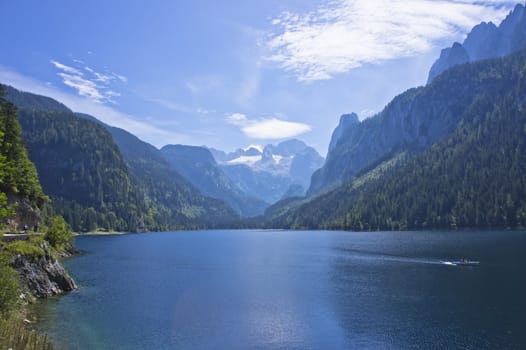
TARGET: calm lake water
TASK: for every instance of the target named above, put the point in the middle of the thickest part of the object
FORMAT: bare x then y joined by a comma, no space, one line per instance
293,290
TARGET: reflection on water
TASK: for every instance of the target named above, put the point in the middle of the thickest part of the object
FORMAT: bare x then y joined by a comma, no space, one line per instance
293,290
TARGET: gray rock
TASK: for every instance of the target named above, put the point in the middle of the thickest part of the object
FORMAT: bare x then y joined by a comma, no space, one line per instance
43,277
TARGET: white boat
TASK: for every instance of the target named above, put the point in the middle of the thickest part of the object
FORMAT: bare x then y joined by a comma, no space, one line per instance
462,262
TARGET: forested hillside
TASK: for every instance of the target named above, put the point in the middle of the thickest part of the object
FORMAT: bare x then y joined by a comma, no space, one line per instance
99,177
82,170
476,177
173,202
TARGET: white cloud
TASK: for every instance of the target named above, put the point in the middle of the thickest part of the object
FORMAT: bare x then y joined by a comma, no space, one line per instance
346,34
89,83
268,128
66,69
147,131
237,119
84,87
275,129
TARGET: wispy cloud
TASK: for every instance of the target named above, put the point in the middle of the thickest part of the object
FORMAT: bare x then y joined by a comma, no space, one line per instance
267,128
145,129
174,106
346,34
201,84
88,82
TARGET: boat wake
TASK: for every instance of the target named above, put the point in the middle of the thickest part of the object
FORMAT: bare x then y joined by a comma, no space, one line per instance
363,254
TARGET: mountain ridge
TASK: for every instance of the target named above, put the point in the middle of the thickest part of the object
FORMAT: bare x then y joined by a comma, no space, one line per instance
485,41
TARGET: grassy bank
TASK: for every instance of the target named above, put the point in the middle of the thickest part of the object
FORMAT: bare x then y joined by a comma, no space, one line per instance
15,335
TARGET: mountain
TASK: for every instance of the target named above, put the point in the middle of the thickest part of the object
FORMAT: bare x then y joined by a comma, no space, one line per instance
175,202
411,122
81,169
473,177
79,165
21,195
269,173
108,180
485,41
346,121
199,167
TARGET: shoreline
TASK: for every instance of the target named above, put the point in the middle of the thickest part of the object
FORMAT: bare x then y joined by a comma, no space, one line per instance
101,233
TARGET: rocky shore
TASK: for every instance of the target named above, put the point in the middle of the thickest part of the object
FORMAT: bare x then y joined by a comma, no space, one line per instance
44,276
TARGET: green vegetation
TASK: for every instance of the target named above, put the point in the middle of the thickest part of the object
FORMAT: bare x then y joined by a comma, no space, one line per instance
18,176
58,234
9,288
81,169
28,248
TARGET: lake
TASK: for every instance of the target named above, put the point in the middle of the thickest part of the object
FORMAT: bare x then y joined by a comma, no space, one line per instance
293,290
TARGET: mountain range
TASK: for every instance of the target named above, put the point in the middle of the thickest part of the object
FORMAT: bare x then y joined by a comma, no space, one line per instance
199,167
273,172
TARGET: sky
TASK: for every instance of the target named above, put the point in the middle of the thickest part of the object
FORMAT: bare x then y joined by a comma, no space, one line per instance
228,74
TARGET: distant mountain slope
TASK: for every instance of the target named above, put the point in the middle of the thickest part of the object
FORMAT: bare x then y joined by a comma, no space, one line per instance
485,41
475,177
176,202
199,167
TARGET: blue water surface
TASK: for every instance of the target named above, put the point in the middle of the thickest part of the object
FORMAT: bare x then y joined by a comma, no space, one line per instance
293,290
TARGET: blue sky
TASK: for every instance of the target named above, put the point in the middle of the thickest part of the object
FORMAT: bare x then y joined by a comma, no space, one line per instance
227,73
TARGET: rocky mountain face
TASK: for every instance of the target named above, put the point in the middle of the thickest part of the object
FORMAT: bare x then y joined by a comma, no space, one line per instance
199,167
485,40
269,173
